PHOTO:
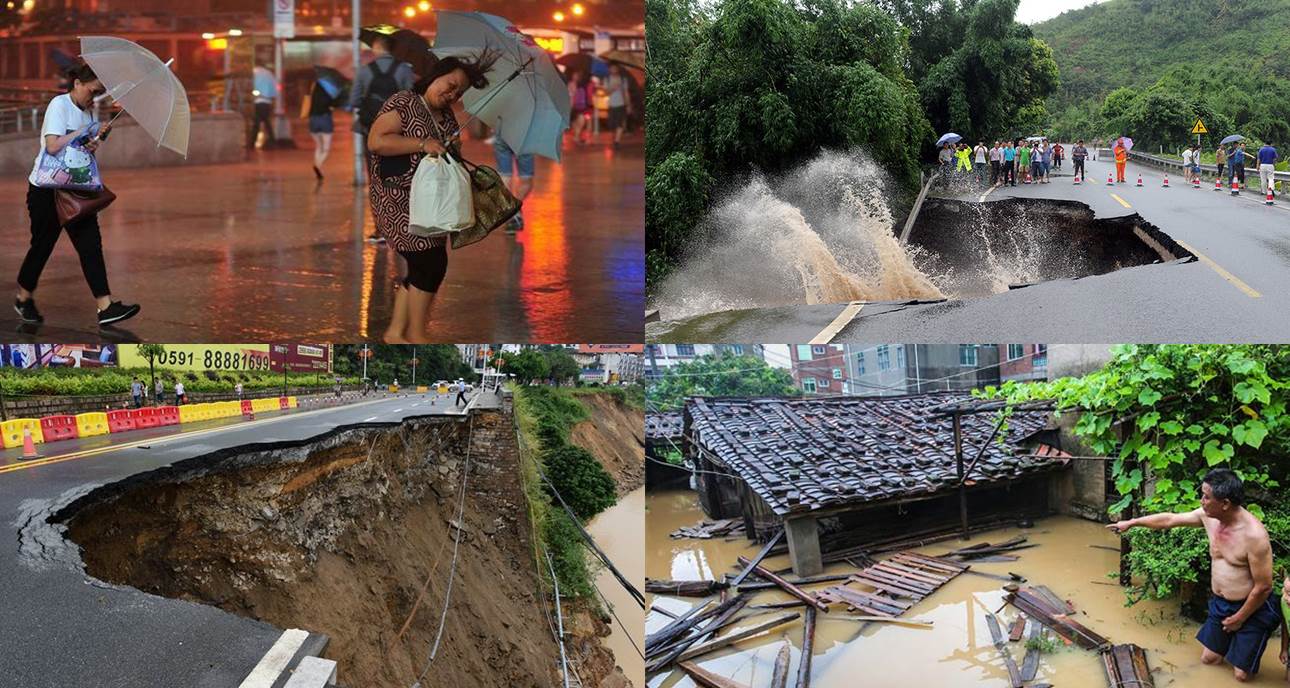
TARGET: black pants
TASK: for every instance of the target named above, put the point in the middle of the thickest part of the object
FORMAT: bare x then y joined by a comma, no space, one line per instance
461,398
263,114
1010,172
45,231
994,172
1079,167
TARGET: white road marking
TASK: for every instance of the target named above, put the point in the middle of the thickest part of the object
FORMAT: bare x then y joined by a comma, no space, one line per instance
275,661
844,318
369,419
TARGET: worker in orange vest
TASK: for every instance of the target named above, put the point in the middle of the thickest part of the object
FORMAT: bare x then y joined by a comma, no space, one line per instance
1121,157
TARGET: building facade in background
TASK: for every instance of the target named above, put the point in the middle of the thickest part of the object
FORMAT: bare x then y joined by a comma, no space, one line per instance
660,357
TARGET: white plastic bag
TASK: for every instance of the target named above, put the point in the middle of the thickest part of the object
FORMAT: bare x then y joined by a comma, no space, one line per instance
442,201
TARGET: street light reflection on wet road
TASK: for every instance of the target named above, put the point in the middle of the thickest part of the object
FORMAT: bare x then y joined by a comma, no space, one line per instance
259,250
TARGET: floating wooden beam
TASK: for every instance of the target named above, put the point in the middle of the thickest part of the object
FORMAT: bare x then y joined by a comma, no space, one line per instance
757,559
1030,665
687,588
707,679
1126,667
780,678
741,634
808,648
789,588
1014,674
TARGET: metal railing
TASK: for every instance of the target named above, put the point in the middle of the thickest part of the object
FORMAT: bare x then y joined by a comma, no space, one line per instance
29,116
1170,163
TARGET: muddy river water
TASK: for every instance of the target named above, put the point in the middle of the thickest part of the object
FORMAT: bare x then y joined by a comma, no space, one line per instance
617,531
958,650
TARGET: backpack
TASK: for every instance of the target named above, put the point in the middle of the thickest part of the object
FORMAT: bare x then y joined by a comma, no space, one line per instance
379,90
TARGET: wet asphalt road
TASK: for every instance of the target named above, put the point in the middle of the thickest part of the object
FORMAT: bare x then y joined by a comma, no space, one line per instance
63,629
260,251
1236,293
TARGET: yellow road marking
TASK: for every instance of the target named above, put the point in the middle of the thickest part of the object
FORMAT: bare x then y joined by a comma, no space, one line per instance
1236,282
161,440
844,318
1121,200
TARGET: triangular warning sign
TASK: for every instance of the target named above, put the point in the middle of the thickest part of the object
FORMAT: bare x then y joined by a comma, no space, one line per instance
1199,128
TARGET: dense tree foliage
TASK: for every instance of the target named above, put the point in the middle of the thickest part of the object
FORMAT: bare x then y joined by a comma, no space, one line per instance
1169,414
1225,61
390,361
726,375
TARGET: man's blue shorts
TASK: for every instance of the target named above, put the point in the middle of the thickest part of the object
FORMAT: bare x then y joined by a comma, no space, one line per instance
1244,648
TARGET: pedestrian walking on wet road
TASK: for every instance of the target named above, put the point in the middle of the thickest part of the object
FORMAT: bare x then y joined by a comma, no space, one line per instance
964,157
619,101
238,390
1267,167
1046,159
1187,157
180,397
1078,155
582,93
136,391
265,90
412,125
946,157
1220,159
1058,154
321,124
66,161
160,391
518,172
461,393
1023,162
373,85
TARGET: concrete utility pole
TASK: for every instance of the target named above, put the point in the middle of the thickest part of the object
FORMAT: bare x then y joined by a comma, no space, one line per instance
356,20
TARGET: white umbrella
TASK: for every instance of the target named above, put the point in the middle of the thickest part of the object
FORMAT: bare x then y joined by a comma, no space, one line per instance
142,85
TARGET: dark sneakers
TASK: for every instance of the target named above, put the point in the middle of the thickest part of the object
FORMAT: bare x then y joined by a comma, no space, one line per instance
27,311
116,312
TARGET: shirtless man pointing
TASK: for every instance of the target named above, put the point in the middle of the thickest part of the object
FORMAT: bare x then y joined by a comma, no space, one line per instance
1241,617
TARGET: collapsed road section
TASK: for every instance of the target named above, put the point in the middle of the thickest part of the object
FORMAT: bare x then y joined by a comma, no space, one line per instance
350,534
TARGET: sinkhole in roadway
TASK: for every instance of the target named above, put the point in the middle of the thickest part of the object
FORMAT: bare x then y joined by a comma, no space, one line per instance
977,249
348,535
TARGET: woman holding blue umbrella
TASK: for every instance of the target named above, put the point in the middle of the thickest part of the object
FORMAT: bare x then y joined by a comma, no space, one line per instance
411,125
326,93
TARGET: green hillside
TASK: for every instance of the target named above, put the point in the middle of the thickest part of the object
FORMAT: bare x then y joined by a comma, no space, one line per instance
1226,61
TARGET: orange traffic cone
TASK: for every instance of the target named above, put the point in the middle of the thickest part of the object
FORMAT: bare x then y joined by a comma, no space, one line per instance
28,446
1110,181
1166,184
1268,200
1218,184
1195,182
1236,188
1027,177
1139,179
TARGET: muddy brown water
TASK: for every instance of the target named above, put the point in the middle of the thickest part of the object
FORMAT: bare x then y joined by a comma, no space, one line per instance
618,531
958,650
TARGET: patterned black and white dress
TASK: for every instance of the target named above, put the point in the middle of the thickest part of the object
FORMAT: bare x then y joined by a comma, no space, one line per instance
390,188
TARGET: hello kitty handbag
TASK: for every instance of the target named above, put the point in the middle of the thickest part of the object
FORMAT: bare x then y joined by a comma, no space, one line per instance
74,173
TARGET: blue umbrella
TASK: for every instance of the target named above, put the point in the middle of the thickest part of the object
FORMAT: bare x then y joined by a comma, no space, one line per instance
526,102
949,138
1231,139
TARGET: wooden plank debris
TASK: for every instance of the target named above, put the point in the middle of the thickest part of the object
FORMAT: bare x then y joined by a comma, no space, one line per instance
808,648
1030,664
707,679
1018,626
757,559
799,582
664,656
897,584
780,678
688,588
1126,667
736,636
789,588
1014,674
707,530
1054,613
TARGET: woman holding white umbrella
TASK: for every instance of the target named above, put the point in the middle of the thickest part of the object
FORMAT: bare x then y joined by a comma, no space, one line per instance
69,138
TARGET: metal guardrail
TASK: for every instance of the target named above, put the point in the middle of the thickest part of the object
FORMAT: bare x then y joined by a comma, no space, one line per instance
1170,163
29,116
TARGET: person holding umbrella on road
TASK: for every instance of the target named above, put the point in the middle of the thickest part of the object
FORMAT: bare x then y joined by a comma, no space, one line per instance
66,151
411,125
322,98
1121,159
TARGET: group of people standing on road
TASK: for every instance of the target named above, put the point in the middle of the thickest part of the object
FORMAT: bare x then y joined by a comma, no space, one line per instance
138,393
1030,160
1233,162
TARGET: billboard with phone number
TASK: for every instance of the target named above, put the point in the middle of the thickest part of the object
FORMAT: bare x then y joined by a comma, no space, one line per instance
200,357
302,358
